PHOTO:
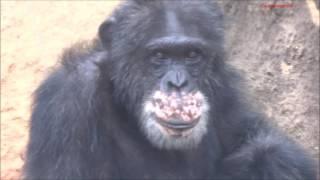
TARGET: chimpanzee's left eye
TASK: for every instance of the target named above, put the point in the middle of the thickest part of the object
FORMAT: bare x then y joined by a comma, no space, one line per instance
193,56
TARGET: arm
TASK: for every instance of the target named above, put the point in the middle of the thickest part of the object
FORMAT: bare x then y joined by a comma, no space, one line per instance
266,154
60,133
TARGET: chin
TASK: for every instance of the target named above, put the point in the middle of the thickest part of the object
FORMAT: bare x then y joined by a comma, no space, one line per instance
175,121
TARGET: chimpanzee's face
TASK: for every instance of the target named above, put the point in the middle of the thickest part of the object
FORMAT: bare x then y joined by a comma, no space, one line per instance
175,113
162,73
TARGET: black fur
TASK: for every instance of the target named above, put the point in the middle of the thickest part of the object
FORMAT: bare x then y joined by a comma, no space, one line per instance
84,120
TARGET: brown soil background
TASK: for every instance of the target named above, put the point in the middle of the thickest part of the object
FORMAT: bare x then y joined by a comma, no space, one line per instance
34,34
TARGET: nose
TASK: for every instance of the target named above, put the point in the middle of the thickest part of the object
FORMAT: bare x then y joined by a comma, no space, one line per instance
176,80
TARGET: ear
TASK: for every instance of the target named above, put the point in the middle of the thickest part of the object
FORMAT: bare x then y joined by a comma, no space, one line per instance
105,31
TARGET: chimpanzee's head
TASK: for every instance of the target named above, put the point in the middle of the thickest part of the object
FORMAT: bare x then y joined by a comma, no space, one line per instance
166,62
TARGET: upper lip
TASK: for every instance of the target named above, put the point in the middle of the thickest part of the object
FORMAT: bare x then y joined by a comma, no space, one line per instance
178,124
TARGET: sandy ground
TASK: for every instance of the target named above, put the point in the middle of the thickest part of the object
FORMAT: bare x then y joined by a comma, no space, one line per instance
33,35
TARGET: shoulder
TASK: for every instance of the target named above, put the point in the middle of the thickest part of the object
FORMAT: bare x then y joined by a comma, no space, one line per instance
83,59
78,70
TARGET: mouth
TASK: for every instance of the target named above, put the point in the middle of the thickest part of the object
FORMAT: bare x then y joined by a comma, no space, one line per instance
177,113
177,128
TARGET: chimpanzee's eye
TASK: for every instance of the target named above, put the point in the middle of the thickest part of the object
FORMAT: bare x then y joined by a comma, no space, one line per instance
193,56
159,55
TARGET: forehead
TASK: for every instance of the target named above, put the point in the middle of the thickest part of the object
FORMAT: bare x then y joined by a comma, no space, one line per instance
179,18
143,22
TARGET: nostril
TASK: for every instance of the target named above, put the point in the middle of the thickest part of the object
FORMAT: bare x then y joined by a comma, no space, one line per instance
177,83
178,80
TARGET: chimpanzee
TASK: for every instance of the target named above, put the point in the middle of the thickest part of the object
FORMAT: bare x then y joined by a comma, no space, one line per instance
152,98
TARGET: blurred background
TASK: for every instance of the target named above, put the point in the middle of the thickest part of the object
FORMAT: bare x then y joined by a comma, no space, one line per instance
273,43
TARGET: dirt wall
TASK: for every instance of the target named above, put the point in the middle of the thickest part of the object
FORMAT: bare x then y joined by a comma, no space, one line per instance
275,44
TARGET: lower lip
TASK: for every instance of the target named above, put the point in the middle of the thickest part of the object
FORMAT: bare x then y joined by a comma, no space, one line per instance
175,133
163,123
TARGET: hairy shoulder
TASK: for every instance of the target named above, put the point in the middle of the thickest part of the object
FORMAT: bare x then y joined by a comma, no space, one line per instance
83,59
77,74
